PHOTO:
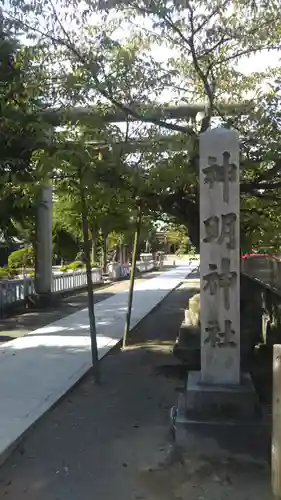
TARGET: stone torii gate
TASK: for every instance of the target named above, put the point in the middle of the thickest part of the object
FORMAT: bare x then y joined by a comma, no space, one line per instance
43,273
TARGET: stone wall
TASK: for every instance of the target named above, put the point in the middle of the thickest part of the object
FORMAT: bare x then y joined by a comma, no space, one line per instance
265,268
261,308
260,323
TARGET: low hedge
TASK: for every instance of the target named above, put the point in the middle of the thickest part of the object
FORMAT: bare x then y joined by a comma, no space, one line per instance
74,266
7,273
77,265
22,258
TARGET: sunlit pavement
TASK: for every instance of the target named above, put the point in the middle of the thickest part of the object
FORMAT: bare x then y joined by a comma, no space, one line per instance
22,323
38,369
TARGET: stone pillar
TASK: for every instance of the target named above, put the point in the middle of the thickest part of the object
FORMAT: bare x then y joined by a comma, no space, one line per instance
217,395
43,281
219,257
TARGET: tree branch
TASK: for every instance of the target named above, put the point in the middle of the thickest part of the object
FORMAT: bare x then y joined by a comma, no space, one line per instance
81,58
244,53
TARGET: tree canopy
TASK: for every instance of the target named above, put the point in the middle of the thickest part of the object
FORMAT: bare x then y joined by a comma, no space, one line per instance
104,54
22,131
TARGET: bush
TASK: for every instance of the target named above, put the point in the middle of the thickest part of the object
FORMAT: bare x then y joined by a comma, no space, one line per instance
183,248
22,258
7,273
74,266
4,273
63,269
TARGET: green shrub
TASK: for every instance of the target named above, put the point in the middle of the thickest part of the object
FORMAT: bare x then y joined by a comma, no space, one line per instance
7,273
4,273
22,258
63,269
74,266
13,273
183,248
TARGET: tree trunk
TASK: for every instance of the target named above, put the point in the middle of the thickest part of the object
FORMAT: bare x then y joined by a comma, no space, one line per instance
94,244
132,279
104,251
90,291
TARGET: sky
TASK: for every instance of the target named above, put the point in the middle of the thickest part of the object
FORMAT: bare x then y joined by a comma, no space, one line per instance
257,63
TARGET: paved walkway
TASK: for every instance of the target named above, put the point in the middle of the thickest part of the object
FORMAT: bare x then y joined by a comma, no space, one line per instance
112,441
38,369
26,320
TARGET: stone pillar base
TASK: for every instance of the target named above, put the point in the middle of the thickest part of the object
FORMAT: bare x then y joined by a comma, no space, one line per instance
234,402
212,419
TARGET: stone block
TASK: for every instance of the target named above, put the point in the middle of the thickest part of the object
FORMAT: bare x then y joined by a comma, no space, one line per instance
192,314
219,421
191,319
187,346
218,439
215,402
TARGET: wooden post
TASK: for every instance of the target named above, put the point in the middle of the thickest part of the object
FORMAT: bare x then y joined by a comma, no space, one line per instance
276,423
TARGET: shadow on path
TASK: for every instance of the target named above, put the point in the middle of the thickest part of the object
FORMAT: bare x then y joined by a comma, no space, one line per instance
112,441
95,442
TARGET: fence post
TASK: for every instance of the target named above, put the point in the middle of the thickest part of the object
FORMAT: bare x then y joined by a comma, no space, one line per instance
278,274
1,300
271,272
25,288
276,423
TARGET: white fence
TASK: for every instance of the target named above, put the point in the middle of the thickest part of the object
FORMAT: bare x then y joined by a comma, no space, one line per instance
145,265
116,271
15,291
18,290
77,279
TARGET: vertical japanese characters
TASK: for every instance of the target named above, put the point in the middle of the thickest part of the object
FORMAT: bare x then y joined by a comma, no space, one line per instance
220,230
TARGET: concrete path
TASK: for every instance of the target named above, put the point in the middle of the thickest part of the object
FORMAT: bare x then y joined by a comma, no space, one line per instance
24,321
112,441
38,369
